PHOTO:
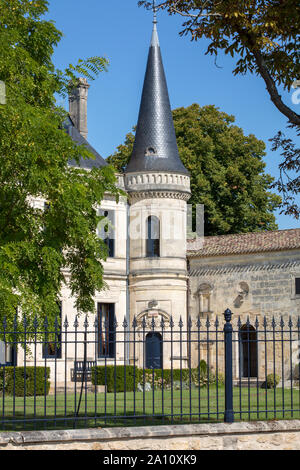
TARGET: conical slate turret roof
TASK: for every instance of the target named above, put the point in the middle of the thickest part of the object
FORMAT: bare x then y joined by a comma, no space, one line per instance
155,147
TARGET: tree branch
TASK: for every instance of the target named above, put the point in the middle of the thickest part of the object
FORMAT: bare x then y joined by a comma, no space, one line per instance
293,117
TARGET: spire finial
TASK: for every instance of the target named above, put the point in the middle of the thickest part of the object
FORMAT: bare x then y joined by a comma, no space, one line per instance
154,12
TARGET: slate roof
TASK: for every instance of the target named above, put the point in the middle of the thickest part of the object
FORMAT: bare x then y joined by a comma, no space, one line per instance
80,140
155,147
255,242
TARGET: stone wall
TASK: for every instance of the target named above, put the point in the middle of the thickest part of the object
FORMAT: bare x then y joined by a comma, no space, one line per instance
254,284
272,435
254,287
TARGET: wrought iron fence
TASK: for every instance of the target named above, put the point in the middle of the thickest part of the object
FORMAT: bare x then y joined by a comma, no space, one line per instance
151,371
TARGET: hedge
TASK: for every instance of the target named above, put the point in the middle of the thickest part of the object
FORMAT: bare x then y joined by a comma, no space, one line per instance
115,381
114,377
37,380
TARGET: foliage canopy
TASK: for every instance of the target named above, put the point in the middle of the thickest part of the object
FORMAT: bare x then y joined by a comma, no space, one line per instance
262,37
44,245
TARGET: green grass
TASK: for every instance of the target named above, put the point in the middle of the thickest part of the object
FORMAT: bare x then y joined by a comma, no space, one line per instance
186,406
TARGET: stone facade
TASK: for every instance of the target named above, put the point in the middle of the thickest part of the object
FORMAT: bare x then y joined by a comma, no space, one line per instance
258,287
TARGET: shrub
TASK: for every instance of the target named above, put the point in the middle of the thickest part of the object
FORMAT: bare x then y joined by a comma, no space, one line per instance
29,381
201,376
221,378
155,378
1,381
202,367
114,377
272,380
164,378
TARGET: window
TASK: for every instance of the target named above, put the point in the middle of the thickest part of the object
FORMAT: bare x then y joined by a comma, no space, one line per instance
52,349
297,286
150,151
106,230
8,354
153,237
106,330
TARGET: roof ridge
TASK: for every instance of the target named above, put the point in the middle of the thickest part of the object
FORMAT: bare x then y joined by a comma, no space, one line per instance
251,242
247,233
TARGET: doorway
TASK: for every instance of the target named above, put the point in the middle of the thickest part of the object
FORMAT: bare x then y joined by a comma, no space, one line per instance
154,351
248,351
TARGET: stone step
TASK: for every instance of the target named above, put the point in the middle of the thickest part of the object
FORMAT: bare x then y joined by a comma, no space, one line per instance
252,382
70,388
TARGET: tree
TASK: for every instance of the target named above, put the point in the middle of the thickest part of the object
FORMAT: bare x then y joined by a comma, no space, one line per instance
264,37
226,167
43,247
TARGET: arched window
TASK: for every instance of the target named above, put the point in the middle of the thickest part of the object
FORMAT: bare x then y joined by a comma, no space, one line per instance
153,237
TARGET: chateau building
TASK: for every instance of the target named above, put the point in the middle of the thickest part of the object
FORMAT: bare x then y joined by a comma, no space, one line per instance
153,273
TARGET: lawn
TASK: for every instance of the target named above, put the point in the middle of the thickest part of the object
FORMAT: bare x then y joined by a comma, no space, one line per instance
153,407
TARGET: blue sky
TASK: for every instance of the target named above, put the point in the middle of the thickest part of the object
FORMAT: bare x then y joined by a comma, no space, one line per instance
120,31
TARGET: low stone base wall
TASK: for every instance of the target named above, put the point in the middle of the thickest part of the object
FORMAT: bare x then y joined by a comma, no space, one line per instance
261,435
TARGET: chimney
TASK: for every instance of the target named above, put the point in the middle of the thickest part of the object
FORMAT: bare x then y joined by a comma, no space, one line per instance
78,106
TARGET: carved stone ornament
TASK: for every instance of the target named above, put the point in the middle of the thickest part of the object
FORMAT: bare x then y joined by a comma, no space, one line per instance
153,317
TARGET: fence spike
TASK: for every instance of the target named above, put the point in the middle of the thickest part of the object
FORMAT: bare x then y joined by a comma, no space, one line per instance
46,322
96,322
86,322
35,322
66,323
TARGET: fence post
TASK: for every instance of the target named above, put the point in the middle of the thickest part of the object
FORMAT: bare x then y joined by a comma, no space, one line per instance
229,415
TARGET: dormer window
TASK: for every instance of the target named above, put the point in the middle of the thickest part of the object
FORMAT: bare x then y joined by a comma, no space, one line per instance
150,151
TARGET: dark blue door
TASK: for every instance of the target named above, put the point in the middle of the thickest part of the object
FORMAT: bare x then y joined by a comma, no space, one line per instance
153,351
